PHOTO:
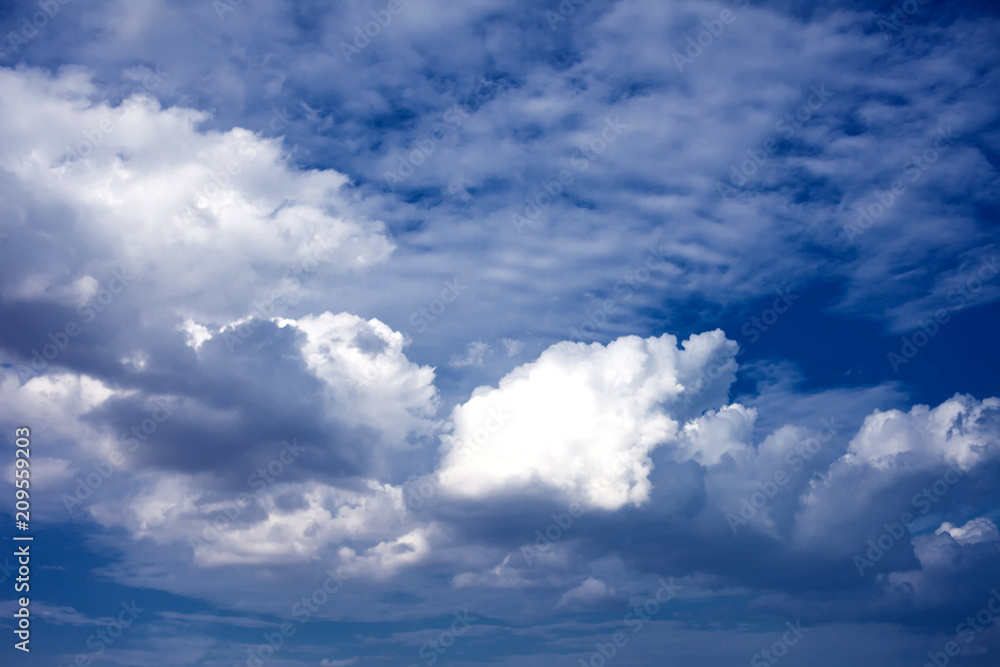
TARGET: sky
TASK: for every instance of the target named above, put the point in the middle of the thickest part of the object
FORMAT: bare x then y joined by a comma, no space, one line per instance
561,333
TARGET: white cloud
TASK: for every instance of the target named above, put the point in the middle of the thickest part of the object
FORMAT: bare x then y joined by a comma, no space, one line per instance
55,407
286,523
590,591
980,529
950,433
512,346
368,378
214,221
728,430
368,381
338,663
47,472
891,447
388,557
65,615
501,576
197,334
581,420
474,354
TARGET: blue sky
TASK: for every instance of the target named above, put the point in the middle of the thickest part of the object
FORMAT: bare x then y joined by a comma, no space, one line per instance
508,333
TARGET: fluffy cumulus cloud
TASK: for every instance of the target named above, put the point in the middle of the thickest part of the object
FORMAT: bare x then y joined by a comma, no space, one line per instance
277,511
367,375
581,420
957,431
911,461
213,223
270,523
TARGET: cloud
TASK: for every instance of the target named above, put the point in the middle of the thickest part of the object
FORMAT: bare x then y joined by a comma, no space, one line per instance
269,282
950,433
474,354
277,499
65,615
367,376
501,576
590,591
214,222
708,438
238,621
338,663
512,346
582,420
387,558
926,453
980,529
